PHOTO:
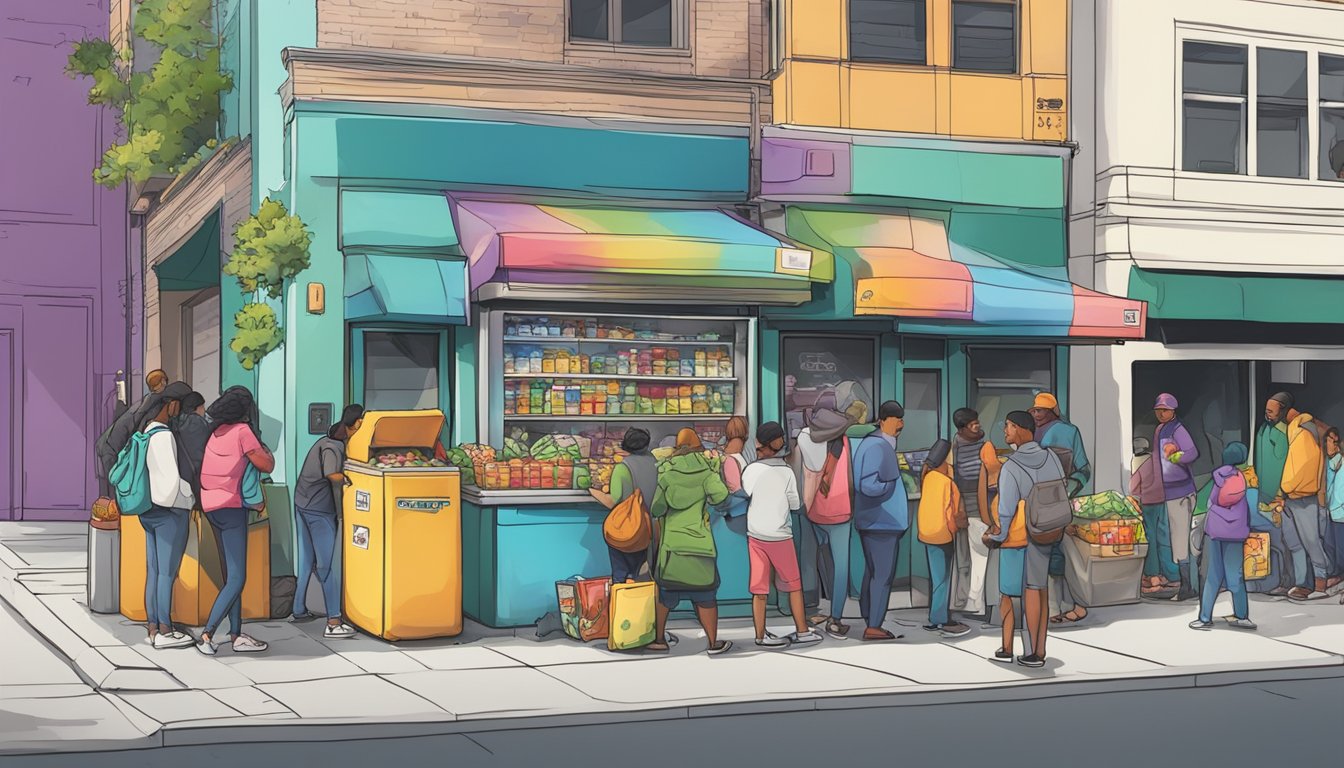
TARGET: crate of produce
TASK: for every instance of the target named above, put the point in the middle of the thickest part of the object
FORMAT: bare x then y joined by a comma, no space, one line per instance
1107,505
1097,580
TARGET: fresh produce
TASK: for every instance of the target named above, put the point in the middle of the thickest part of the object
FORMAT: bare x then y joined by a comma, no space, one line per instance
402,458
1120,531
513,449
1105,506
553,447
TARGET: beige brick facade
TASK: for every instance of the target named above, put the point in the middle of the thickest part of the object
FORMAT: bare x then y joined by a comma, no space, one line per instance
725,38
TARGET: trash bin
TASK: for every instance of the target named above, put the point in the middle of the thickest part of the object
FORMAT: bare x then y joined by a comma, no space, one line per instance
104,566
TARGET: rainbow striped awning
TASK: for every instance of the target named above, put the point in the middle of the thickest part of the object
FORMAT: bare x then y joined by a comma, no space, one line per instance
906,266
704,254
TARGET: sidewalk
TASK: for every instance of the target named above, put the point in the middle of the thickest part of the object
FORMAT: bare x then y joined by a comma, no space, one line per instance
122,692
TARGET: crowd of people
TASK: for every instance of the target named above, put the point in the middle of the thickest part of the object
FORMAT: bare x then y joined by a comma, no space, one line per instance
185,459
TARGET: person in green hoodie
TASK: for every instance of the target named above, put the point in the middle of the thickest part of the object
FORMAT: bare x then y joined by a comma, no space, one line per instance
1271,453
686,567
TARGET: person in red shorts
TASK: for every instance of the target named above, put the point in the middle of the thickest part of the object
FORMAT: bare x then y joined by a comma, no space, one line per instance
772,488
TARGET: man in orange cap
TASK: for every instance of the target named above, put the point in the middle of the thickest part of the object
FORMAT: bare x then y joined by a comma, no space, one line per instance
1066,442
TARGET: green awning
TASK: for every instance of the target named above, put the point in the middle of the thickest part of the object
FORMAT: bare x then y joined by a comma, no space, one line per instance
1239,298
405,288
195,265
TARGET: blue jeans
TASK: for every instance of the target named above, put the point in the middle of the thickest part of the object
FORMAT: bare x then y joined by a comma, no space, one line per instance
317,550
1159,561
231,529
880,550
1225,569
941,558
166,533
625,565
836,539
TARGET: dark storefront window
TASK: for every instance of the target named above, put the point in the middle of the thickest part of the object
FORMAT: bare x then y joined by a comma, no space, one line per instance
1004,379
923,409
826,372
401,370
1317,387
1213,397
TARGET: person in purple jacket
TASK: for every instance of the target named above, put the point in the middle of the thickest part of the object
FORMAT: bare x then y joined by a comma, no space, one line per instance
1226,529
1175,452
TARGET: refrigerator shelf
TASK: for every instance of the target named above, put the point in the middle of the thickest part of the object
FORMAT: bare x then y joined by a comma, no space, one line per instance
617,376
566,340
690,417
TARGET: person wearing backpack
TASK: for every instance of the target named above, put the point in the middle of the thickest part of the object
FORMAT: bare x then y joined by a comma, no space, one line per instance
637,471
1063,439
234,445
166,522
881,515
1033,508
126,421
1227,525
828,503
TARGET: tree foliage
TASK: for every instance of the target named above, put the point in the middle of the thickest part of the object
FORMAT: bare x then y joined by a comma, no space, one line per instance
172,109
270,247
257,334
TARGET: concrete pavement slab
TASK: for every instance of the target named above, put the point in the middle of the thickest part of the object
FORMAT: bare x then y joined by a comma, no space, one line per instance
928,663
251,701
92,628
352,697
123,656
292,657
88,721
177,706
29,660
54,582
464,657
494,692
1073,659
383,663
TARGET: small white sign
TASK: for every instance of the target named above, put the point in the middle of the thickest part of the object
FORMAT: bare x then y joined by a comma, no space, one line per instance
363,503
359,536
1132,317
795,260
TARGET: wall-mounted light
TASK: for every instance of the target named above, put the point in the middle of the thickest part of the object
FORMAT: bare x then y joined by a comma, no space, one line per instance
317,298
141,206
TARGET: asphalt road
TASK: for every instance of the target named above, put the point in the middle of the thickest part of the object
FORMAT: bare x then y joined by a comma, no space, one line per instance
1254,724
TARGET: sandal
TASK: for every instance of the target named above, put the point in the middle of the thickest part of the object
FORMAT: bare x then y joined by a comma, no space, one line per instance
658,647
1057,619
1072,617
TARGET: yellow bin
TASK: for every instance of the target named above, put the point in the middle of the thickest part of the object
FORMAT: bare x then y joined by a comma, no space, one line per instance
402,532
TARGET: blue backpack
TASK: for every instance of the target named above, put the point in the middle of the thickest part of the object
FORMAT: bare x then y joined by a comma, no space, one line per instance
130,477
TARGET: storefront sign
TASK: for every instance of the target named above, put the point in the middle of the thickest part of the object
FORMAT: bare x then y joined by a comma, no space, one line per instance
359,536
423,505
1131,318
362,501
793,260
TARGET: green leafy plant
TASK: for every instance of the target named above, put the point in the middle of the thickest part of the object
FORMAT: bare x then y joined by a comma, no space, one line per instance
257,334
171,110
270,247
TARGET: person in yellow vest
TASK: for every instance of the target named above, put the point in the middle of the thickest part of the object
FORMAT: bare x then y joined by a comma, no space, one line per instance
941,516
1303,481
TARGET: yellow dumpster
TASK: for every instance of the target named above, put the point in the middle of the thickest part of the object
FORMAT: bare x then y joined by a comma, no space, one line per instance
402,529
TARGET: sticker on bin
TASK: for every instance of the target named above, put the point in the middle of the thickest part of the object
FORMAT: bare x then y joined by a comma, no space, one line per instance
363,503
424,505
359,536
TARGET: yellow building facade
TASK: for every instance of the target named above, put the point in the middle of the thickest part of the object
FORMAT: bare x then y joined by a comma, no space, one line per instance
828,78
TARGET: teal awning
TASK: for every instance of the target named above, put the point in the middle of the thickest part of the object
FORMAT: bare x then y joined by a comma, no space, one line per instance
1238,298
405,288
195,265
397,221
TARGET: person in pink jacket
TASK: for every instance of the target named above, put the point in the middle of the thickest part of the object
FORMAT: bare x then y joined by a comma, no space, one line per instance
1226,528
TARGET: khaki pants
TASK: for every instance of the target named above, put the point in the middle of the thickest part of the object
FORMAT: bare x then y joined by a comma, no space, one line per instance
1179,514
970,576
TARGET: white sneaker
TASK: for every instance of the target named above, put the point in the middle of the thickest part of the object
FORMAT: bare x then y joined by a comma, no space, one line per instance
772,641
805,638
173,639
206,647
245,644
338,632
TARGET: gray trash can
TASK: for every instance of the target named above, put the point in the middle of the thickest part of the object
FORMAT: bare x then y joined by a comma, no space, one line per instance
104,566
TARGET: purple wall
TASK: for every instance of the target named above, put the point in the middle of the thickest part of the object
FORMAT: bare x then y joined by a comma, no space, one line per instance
62,265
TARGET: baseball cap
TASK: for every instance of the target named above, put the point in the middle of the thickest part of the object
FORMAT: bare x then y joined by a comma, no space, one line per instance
1165,401
1045,400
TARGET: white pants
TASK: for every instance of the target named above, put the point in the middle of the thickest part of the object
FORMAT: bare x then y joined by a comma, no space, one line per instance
1179,513
969,577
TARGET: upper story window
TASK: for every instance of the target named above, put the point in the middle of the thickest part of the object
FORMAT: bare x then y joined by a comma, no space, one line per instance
1332,118
984,36
1281,113
893,31
651,23
1214,109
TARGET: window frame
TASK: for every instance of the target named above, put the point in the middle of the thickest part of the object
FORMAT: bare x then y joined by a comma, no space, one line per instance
357,378
849,41
1253,43
680,42
939,382
1017,37
868,338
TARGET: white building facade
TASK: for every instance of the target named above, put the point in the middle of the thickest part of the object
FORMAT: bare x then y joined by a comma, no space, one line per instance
1208,182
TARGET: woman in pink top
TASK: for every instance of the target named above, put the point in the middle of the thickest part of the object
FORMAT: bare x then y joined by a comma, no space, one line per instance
232,446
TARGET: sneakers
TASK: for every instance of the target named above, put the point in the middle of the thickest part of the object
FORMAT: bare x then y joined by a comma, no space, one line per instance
1201,624
302,618
877,635
338,632
772,641
206,647
173,639
723,647
837,630
672,639
245,644
1002,657
1031,660
805,638
1242,624
955,629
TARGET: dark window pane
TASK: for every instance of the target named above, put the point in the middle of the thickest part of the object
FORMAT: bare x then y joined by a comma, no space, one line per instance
1005,379
1215,137
588,19
1214,405
1332,144
1282,141
826,372
888,30
922,401
984,37
401,371
1213,68
1332,78
1281,73
646,22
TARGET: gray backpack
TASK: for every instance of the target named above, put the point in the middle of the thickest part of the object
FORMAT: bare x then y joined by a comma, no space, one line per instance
1049,511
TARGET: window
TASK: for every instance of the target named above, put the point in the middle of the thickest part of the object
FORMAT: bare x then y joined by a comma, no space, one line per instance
1332,118
1214,121
1314,385
1281,113
826,372
200,344
984,36
1004,379
923,409
1213,396
888,30
651,23
401,370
